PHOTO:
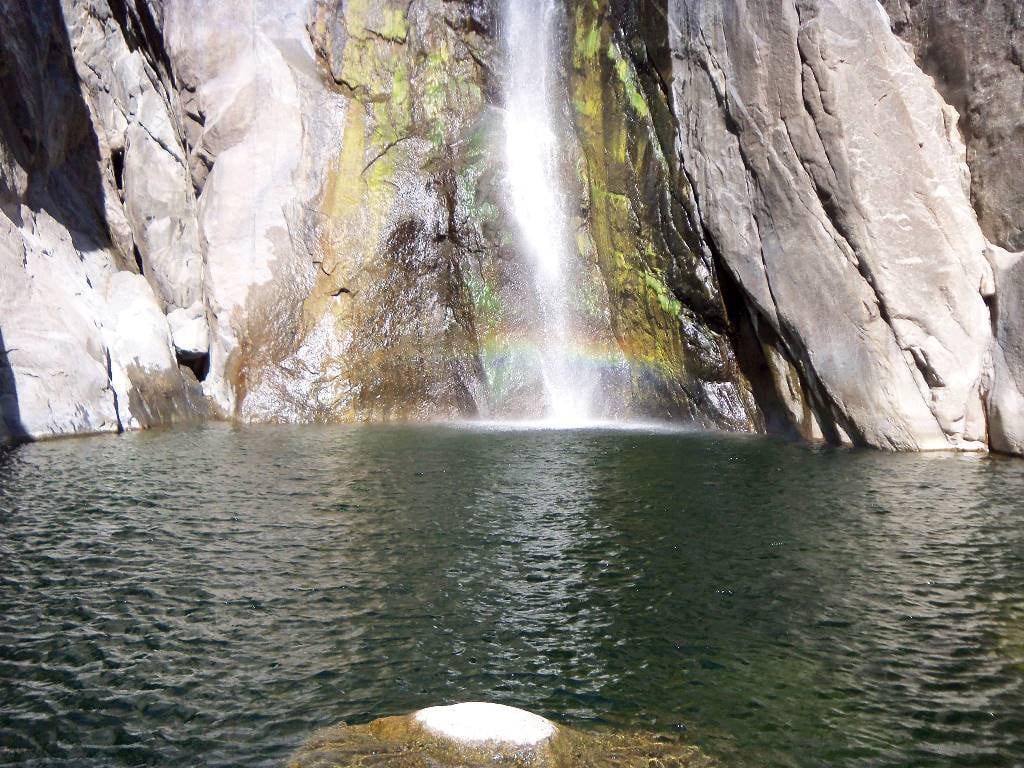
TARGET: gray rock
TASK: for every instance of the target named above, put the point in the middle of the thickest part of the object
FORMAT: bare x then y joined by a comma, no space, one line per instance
84,336
830,182
1006,402
975,52
190,332
296,203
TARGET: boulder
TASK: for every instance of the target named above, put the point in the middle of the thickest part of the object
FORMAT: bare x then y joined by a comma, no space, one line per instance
479,735
148,386
190,333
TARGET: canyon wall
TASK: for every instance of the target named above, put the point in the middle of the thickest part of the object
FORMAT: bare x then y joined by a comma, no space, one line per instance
799,216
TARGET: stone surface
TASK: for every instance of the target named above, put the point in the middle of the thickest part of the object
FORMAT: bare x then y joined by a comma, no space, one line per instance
402,742
85,336
666,309
1006,402
147,385
975,53
257,121
832,187
290,211
476,722
190,333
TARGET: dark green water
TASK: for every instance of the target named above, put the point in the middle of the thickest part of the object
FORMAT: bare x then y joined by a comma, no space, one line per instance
210,597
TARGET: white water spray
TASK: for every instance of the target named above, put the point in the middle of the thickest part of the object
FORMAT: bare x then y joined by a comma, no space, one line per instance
538,201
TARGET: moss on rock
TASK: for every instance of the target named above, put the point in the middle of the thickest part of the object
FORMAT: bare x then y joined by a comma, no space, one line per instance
400,742
398,228
666,310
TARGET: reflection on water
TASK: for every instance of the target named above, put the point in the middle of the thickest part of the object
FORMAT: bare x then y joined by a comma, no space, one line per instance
212,596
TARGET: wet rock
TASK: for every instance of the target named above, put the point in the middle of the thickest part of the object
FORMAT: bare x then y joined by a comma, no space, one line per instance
390,320
468,735
666,309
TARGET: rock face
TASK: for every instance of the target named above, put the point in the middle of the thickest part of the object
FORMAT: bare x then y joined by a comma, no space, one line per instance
666,305
790,218
831,183
87,147
975,53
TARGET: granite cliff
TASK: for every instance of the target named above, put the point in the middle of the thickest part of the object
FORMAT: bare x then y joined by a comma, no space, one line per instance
799,216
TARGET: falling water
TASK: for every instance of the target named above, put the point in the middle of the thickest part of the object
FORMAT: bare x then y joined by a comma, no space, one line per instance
539,202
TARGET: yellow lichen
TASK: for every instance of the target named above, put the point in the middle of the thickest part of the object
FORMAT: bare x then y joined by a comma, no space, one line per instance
395,26
644,313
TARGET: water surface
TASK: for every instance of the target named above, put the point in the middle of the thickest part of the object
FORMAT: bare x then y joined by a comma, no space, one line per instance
211,596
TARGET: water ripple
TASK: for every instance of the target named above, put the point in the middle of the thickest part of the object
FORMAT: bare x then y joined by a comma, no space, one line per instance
212,596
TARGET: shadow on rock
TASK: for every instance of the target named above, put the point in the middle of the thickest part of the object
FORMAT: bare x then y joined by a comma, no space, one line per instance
46,127
11,428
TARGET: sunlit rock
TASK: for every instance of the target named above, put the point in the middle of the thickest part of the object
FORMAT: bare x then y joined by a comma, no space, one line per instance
189,330
476,735
148,385
478,722
771,216
831,182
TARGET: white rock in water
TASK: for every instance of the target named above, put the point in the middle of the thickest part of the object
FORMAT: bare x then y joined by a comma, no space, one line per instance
478,722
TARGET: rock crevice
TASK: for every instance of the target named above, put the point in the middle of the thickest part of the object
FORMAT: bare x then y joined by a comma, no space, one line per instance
800,217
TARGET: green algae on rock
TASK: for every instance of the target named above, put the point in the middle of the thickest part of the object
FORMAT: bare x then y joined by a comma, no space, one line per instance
666,307
405,742
395,238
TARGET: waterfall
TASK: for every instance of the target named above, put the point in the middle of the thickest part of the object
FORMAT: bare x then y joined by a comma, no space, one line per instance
532,152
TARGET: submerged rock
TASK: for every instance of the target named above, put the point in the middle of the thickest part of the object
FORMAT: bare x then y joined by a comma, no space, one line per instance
479,734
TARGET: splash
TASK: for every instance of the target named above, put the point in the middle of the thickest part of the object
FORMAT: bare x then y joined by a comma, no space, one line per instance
532,151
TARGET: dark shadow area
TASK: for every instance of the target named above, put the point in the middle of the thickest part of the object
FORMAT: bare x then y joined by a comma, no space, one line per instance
46,126
199,364
11,428
141,31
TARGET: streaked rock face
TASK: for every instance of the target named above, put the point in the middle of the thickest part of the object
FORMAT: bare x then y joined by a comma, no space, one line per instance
975,53
292,211
832,186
